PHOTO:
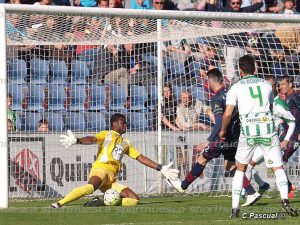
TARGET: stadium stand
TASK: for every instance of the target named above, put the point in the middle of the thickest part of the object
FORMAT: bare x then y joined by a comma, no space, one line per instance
80,72
138,98
118,98
98,97
16,91
39,71
17,71
78,97
56,97
96,121
36,97
58,72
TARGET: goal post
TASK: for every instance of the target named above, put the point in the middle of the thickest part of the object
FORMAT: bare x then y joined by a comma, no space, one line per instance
3,114
73,67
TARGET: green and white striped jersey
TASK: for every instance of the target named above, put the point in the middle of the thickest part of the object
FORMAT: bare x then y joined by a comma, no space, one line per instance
281,114
253,97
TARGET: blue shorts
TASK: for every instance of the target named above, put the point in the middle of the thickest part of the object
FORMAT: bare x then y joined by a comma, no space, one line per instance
216,148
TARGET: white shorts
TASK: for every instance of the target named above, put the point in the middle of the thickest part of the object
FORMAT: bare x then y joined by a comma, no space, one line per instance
258,156
272,153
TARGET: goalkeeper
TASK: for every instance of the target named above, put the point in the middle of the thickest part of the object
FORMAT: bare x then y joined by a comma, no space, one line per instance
112,147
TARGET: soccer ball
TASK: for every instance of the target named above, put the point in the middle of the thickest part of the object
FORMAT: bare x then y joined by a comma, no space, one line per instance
112,197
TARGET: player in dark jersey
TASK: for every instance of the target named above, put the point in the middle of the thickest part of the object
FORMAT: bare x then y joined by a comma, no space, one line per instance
214,146
292,99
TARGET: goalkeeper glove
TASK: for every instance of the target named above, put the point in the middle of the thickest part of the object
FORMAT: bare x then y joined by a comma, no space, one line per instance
168,172
68,140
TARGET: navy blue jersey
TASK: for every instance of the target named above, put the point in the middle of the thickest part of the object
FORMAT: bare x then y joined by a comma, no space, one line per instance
293,101
218,104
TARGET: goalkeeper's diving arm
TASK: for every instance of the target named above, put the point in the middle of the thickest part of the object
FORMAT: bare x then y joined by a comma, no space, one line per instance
165,170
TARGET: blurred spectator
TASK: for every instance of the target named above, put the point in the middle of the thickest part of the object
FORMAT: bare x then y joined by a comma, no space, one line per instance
116,4
188,113
246,3
140,4
57,27
289,7
110,25
234,6
177,49
188,4
43,2
176,55
274,6
9,125
11,115
13,28
289,38
170,5
29,2
191,5
85,3
80,31
168,109
103,3
158,4
233,46
43,125
109,69
163,5
130,59
62,2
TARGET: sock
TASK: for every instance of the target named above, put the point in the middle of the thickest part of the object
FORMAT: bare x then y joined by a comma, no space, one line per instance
248,172
193,174
285,166
129,202
282,183
257,178
237,185
248,186
286,169
289,185
77,193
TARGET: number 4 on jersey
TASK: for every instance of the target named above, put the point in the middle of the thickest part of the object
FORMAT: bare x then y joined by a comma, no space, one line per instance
256,95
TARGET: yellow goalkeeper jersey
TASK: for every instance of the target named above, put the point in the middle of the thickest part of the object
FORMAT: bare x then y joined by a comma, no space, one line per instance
112,147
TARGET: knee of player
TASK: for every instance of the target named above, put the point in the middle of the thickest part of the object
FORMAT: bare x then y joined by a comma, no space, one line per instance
201,160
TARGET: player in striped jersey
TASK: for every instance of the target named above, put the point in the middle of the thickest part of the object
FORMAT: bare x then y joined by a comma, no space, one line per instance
112,147
254,97
281,115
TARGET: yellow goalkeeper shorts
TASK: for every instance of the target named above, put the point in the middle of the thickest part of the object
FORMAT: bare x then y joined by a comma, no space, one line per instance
108,179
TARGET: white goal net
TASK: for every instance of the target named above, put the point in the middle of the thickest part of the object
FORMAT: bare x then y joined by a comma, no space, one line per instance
72,69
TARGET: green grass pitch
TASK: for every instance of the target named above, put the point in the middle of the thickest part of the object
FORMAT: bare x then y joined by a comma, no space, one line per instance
161,210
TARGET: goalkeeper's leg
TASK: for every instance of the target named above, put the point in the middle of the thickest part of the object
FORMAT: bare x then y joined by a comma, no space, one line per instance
93,184
97,178
129,197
